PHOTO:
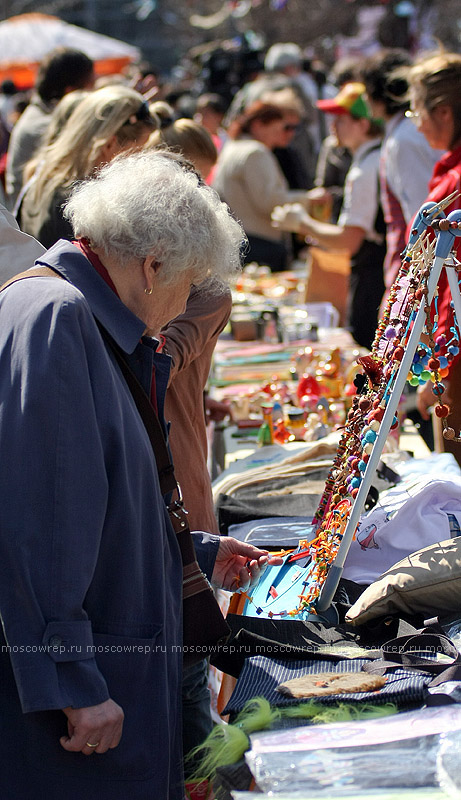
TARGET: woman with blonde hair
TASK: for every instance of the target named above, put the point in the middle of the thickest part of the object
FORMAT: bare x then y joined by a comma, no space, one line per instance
105,123
58,118
191,140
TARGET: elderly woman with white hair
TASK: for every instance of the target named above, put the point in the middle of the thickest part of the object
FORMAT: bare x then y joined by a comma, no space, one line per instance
91,573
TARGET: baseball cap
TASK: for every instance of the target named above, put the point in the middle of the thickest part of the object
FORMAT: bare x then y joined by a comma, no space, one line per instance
349,100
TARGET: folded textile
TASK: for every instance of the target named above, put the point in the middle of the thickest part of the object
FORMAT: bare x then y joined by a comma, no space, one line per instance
412,515
436,464
276,496
260,677
257,468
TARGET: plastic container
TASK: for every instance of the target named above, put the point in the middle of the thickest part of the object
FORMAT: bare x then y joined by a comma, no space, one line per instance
412,750
448,764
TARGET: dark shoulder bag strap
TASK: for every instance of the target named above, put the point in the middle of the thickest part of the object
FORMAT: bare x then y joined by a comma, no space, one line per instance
154,430
148,415
199,602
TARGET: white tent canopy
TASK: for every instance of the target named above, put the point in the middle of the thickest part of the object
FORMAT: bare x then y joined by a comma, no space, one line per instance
26,39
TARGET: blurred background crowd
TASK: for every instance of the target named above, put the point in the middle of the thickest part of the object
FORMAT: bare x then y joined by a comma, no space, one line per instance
293,112
182,49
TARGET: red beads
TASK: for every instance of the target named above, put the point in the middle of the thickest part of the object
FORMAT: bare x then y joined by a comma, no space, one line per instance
377,414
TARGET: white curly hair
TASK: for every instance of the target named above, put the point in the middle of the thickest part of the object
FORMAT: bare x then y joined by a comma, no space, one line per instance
146,204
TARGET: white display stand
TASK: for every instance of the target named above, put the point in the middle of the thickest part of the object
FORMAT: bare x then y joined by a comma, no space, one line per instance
428,213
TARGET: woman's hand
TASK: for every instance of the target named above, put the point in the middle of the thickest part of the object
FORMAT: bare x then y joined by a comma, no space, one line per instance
290,217
99,726
239,565
319,203
216,411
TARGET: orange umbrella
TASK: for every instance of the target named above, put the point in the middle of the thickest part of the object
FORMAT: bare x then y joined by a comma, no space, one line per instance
26,39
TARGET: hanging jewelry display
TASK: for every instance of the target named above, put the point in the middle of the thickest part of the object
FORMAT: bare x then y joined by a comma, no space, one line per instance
304,586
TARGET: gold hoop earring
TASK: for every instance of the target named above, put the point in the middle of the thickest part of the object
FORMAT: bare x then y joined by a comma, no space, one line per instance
149,290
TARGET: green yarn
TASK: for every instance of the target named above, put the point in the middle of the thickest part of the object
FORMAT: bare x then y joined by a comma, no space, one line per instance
342,712
226,744
310,710
257,715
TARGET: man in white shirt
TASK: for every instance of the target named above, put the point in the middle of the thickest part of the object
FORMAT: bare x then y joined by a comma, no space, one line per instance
407,160
360,229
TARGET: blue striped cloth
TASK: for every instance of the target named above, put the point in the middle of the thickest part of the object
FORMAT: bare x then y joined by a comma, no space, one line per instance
260,677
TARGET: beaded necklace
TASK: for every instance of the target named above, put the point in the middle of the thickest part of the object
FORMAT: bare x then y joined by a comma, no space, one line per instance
397,355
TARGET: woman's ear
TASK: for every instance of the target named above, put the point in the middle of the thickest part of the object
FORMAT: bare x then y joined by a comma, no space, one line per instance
150,268
152,263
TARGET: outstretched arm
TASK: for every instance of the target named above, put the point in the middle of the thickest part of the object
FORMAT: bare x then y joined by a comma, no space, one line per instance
293,217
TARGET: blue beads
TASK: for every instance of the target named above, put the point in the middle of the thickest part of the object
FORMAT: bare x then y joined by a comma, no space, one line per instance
370,436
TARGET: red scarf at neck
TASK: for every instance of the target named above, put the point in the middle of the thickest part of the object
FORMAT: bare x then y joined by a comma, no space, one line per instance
84,246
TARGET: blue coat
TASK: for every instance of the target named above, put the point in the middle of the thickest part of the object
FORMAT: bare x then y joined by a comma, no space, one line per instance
90,569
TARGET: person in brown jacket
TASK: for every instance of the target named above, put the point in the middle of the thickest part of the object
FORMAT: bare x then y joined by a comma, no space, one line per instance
190,340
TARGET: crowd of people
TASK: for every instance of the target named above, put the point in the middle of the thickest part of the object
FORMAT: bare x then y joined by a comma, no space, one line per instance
137,213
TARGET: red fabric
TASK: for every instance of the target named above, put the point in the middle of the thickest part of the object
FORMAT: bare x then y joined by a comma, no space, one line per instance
199,791
2,169
446,178
161,343
395,229
84,246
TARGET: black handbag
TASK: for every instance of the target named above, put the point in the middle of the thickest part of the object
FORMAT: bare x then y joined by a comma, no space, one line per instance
204,626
